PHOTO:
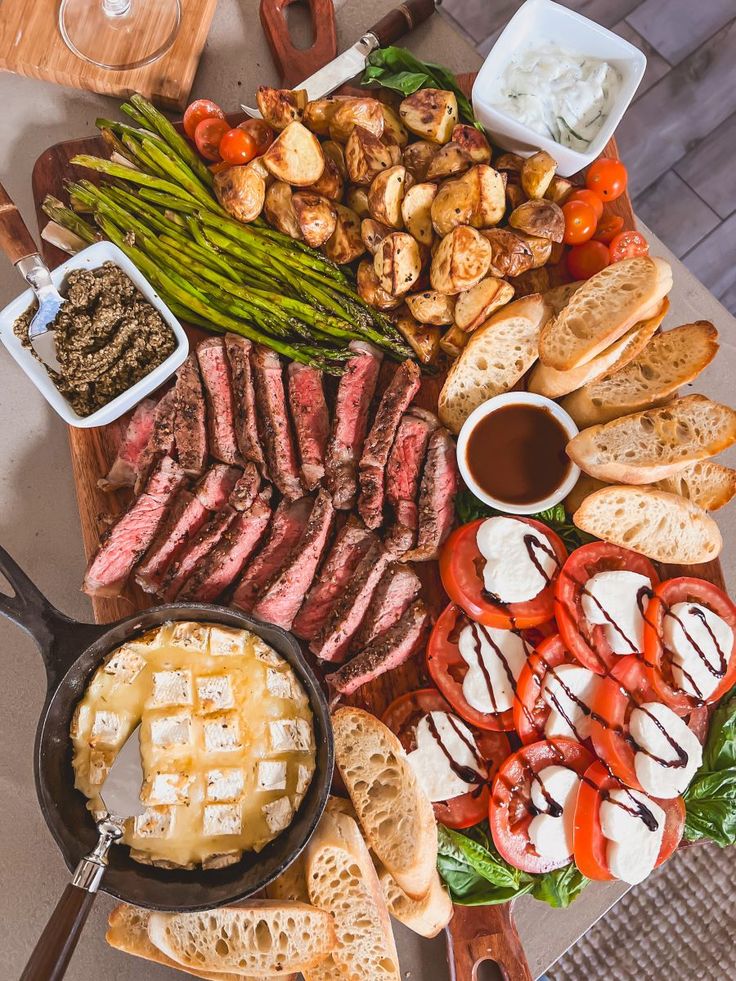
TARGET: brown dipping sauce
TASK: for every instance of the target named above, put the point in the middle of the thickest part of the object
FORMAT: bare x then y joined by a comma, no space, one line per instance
517,454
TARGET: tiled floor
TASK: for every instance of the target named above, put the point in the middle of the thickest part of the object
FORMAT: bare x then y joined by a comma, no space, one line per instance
679,135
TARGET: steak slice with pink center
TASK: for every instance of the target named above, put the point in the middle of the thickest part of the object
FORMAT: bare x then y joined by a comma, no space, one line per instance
239,352
190,418
137,434
397,590
440,482
131,535
215,372
273,423
161,440
404,467
246,488
283,596
195,551
311,420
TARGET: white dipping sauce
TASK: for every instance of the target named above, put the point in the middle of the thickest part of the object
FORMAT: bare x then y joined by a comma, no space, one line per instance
562,96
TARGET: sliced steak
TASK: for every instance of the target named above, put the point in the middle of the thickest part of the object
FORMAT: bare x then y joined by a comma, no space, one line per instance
287,527
391,649
333,641
350,545
201,545
137,434
215,488
161,441
190,419
311,420
218,388
273,423
404,467
131,535
349,423
398,588
372,468
239,352
223,564
246,488
283,596
440,482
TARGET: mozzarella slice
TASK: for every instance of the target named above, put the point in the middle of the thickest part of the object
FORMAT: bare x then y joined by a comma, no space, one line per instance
491,655
611,600
632,848
656,778
510,572
550,834
435,775
569,690
688,629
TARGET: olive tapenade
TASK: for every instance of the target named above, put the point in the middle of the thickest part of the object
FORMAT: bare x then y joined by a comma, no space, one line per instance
108,337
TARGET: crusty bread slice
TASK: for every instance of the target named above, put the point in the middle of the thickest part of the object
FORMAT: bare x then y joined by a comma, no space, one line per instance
342,880
650,445
706,483
553,383
265,937
669,361
497,355
602,310
662,526
425,916
585,486
394,812
558,297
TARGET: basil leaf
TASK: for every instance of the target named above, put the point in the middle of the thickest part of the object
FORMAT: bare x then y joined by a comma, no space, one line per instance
561,887
463,853
710,803
469,508
720,749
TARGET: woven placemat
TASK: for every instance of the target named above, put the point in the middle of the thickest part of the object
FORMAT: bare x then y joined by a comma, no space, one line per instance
680,923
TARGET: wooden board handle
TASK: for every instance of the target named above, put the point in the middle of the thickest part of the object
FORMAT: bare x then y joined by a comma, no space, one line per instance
399,21
15,239
485,933
296,64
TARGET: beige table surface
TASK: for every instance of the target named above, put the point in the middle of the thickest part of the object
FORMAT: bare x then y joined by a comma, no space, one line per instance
39,524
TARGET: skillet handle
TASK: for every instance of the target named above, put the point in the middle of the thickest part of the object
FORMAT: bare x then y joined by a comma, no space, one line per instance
57,943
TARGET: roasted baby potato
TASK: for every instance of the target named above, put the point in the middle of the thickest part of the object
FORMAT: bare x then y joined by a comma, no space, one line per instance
279,107
279,210
370,290
423,339
257,165
336,154
393,128
559,190
532,281
511,164
352,112
453,341
511,255
366,156
543,219
477,198
386,195
316,215
430,114
295,156
450,159
356,198
473,142
345,245
416,210
431,307
541,249
461,260
514,195
330,185
537,172
397,263
319,112
474,306
417,158
372,233
241,192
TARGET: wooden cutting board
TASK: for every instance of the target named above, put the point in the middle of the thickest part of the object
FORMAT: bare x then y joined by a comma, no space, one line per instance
30,44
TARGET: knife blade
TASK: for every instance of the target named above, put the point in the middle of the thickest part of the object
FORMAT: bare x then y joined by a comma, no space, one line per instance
121,791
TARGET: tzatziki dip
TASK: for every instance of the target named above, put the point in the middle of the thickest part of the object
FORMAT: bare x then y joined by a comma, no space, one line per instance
563,96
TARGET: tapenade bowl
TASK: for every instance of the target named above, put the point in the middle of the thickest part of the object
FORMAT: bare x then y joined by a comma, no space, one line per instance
90,259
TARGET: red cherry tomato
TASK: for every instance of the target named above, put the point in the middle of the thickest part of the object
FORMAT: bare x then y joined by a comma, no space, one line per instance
207,136
237,147
608,228
607,178
197,111
579,222
260,132
584,261
589,198
626,245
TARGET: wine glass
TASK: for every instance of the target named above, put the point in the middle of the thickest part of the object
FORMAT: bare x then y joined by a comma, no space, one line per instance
119,34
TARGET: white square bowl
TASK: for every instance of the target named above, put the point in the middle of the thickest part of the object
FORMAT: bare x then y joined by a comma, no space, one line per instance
543,21
91,258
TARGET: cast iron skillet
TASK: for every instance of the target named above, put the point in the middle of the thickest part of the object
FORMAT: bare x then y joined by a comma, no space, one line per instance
71,651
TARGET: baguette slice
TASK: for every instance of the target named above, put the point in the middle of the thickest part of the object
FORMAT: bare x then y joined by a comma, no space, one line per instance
341,879
558,297
662,526
497,355
670,360
394,812
425,916
266,937
603,309
648,446
585,486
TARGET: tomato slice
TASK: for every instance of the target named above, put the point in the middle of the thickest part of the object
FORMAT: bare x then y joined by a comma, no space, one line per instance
197,111
402,717
608,228
584,261
207,136
461,565
590,842
626,245
585,641
607,177
511,809
659,660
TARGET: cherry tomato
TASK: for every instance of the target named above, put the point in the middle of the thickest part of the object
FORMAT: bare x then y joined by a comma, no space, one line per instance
607,177
579,222
197,111
237,147
626,245
207,136
260,132
584,261
403,716
608,228
589,198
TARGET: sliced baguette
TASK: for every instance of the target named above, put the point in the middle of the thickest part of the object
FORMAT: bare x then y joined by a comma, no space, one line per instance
648,446
425,916
585,486
266,937
558,297
604,309
342,880
662,526
394,812
708,484
670,360
497,355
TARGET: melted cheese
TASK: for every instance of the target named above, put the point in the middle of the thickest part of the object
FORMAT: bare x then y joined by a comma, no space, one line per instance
632,849
497,654
551,834
610,599
510,574
657,778
684,634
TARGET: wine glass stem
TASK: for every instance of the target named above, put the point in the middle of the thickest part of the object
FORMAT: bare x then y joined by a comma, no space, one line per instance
116,8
